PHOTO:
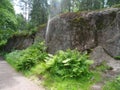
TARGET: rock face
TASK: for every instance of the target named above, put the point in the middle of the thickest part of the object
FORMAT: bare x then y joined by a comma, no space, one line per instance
19,42
86,30
99,56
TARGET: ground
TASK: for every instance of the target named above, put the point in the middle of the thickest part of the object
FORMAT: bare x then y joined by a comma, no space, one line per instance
12,80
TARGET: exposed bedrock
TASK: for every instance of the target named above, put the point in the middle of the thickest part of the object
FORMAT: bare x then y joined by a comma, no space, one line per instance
18,42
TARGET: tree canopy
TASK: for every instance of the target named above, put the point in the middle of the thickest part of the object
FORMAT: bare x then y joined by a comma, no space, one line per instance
7,15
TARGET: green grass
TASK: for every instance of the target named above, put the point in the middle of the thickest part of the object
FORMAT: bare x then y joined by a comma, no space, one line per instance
54,82
13,57
113,84
57,83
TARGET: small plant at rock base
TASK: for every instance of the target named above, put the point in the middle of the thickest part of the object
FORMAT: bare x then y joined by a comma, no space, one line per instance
113,85
117,57
68,64
103,67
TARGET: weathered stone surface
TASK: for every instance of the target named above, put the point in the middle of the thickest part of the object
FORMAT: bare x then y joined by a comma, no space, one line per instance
19,42
85,31
110,38
99,56
59,35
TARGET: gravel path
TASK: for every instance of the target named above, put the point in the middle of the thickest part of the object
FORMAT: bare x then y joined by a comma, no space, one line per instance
11,80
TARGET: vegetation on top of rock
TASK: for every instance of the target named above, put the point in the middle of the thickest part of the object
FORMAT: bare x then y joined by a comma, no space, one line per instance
7,16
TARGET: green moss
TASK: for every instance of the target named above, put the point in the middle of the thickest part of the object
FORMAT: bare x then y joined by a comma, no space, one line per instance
103,67
79,21
42,26
117,57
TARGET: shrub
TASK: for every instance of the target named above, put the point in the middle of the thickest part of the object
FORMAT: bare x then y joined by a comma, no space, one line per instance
26,59
4,35
68,64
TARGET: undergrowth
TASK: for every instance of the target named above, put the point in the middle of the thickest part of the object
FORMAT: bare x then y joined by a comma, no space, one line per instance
68,64
23,60
65,70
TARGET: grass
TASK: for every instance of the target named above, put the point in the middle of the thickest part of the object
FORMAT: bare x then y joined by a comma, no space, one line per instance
69,84
103,67
54,82
12,58
113,84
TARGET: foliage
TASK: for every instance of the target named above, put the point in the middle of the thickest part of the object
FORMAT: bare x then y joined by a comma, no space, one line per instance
22,24
8,21
5,4
26,59
103,67
116,6
117,57
113,85
59,83
67,84
113,2
7,15
4,35
39,12
68,64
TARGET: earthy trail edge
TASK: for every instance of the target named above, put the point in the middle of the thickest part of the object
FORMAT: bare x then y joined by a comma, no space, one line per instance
11,80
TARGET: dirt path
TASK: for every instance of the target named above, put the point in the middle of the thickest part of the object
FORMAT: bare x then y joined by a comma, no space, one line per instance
11,80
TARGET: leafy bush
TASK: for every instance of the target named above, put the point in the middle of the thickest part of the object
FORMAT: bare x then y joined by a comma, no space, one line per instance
68,64
113,85
7,20
4,35
26,59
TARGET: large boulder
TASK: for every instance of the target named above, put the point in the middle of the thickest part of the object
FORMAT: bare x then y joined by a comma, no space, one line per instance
85,31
